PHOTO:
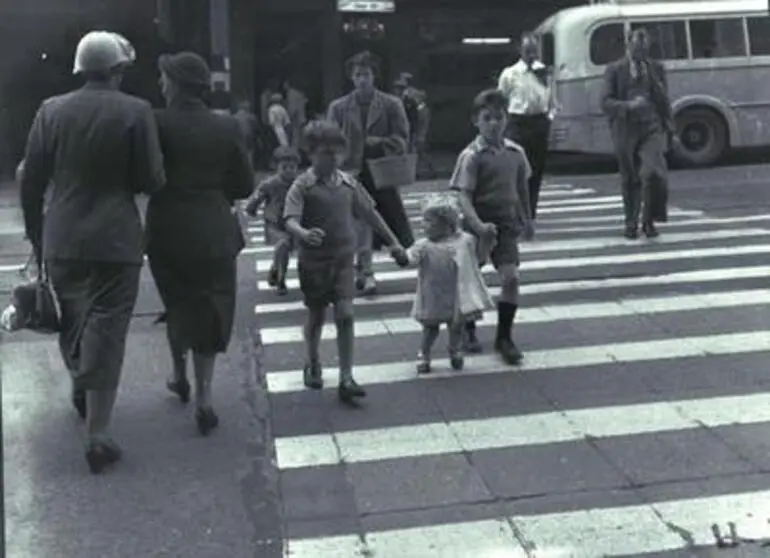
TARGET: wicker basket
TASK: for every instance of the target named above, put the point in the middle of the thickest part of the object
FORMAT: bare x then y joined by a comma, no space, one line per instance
393,171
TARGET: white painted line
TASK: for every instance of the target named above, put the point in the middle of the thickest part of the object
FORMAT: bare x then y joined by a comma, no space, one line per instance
709,276
594,243
644,529
544,314
588,261
289,381
440,438
15,268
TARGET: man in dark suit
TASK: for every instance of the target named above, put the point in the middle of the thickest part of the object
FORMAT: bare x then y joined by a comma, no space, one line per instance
94,149
636,101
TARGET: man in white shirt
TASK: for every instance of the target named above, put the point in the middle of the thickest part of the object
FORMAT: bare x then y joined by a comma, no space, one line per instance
526,86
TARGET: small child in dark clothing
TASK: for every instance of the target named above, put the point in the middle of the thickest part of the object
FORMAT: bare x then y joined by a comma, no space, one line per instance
320,212
491,175
272,192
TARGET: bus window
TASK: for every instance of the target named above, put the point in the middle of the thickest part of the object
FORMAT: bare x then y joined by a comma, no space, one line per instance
547,50
608,43
759,35
668,38
717,38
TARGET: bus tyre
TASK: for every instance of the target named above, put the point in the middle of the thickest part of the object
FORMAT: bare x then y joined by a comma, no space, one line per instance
703,135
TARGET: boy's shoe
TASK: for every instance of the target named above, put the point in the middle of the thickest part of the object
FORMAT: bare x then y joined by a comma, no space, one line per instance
349,390
423,364
272,277
509,351
369,287
282,289
312,376
456,360
650,231
471,343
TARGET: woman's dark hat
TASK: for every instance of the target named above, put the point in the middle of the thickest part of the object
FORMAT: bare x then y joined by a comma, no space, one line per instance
186,68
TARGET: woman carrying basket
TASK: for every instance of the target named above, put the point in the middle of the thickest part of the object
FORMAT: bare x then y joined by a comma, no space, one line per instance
376,126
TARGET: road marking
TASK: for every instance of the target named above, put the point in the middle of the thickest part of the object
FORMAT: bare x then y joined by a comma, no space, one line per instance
288,381
648,529
544,314
594,243
588,261
507,432
712,275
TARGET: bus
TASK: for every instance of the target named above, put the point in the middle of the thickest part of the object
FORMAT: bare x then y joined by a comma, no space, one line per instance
717,57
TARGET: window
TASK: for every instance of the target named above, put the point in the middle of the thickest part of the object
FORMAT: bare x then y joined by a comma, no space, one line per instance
759,35
717,38
668,39
608,43
547,50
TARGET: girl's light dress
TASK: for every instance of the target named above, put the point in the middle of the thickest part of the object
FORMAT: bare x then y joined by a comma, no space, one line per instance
450,287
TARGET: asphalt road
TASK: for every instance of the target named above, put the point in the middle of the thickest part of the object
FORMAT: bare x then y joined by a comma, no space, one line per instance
639,419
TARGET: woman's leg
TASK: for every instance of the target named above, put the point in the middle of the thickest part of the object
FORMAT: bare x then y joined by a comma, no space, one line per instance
203,364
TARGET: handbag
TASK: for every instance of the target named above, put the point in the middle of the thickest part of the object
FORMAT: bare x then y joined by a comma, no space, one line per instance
36,306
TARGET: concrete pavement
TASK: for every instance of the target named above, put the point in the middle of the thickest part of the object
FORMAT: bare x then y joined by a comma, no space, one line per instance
639,418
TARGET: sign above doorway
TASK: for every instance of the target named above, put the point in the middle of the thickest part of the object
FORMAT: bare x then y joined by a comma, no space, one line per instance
366,6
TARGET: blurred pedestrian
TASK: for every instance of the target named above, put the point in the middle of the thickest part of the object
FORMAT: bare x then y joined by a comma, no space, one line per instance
249,124
193,238
642,128
526,86
375,126
272,192
280,121
97,147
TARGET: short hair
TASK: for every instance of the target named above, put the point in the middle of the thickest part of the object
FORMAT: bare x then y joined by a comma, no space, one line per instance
638,31
285,153
489,99
364,59
529,36
443,207
319,133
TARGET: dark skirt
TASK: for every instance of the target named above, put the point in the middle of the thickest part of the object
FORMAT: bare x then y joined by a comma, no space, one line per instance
199,296
97,300
389,205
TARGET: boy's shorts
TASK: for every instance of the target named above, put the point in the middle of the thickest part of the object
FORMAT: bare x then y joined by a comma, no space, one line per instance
327,282
275,235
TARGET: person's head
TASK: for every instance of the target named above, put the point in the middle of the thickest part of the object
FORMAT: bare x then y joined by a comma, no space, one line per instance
325,145
489,114
529,47
286,161
276,99
401,85
440,216
103,56
362,70
638,44
184,74
244,106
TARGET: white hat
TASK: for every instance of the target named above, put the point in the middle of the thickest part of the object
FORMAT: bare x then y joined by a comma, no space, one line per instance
100,51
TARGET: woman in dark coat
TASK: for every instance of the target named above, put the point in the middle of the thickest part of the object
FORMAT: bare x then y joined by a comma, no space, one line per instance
193,237
375,125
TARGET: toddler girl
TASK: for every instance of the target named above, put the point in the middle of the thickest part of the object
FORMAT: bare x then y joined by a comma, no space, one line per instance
450,287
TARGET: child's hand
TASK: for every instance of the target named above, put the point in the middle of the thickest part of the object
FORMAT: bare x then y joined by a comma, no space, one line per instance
314,237
399,255
489,231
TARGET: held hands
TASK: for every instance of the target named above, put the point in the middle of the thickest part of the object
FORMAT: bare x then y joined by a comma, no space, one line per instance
399,255
313,237
488,232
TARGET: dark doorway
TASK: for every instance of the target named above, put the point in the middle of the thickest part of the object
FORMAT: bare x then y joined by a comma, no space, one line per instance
367,32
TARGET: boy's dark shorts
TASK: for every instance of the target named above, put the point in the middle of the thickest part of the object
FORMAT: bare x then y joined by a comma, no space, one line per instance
327,281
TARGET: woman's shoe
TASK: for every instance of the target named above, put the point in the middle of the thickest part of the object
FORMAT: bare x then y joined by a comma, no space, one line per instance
423,364
456,360
348,391
207,420
101,455
181,388
312,376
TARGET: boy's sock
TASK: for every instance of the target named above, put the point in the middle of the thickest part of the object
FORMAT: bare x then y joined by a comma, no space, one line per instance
506,312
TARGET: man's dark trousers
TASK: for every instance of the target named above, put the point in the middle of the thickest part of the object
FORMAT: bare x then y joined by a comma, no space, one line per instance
531,132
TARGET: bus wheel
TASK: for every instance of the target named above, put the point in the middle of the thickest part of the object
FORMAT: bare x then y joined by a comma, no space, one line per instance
704,137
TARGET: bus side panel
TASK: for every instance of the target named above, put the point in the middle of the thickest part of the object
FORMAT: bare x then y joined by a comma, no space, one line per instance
581,125
754,115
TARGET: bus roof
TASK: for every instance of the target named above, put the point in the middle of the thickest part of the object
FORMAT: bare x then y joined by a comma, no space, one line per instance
656,9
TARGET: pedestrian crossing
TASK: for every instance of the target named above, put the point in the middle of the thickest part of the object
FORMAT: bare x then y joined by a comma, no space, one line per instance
639,419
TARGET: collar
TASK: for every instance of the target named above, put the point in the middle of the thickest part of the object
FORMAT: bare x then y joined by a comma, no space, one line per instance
99,86
481,144
336,178
521,65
